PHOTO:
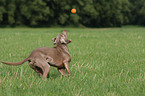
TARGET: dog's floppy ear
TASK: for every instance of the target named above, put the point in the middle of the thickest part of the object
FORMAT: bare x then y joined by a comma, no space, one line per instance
54,41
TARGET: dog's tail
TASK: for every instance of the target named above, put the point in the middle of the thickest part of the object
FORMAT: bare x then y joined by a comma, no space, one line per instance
15,63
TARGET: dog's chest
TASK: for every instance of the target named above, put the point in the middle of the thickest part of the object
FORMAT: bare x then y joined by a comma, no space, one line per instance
66,57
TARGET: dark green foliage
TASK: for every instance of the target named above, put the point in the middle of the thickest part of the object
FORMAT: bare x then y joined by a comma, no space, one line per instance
31,12
2,9
138,12
126,11
90,13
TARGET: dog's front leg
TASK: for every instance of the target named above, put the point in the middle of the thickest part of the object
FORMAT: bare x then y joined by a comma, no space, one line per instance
66,64
62,71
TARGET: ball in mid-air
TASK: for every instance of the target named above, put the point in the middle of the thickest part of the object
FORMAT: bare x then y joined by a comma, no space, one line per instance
73,10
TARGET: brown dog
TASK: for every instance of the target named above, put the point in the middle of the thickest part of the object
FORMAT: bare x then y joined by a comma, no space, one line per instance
40,59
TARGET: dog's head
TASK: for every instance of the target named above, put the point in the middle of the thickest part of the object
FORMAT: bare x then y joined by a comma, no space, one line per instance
61,38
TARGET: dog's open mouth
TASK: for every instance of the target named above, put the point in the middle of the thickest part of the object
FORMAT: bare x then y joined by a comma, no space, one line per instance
68,41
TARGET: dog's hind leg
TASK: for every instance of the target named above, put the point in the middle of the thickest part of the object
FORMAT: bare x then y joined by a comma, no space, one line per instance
46,70
44,66
36,68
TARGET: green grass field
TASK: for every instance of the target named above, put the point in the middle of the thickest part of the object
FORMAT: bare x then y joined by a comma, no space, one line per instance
105,62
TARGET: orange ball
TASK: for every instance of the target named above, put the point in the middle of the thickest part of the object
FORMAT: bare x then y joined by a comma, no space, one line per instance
73,10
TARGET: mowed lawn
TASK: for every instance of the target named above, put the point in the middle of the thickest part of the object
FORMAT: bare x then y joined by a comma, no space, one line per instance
105,62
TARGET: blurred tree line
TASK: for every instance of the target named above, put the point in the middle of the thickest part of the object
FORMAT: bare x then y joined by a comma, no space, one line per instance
90,13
